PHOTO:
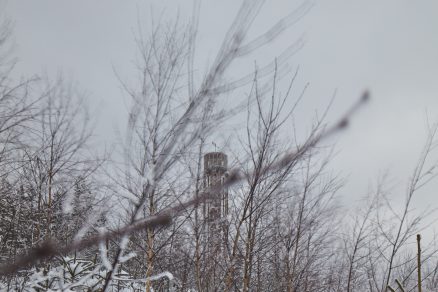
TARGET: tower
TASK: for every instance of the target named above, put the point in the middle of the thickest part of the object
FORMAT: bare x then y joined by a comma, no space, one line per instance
215,171
215,213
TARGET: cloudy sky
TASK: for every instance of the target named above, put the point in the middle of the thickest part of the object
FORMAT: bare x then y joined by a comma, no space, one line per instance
389,47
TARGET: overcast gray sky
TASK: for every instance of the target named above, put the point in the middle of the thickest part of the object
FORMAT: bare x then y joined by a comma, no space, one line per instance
389,47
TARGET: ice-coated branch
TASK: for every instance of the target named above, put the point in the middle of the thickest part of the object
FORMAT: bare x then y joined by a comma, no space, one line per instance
51,248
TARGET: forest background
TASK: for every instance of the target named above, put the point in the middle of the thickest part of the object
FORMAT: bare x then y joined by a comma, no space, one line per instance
388,48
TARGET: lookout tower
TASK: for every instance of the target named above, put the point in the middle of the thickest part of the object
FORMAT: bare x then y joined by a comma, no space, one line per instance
215,210
215,172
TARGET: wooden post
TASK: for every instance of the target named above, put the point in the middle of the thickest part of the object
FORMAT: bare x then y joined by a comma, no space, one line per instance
419,262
